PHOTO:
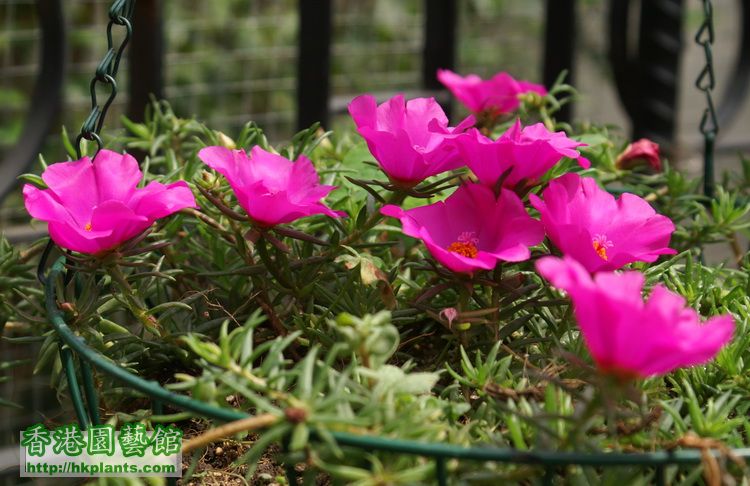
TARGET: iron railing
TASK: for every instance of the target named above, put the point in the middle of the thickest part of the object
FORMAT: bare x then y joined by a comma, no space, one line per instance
646,77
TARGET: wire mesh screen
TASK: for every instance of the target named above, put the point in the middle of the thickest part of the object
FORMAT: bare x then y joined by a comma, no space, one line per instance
231,61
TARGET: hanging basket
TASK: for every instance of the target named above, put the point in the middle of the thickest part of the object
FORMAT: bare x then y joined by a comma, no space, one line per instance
86,406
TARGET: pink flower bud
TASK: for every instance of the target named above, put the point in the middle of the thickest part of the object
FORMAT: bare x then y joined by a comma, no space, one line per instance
449,314
643,151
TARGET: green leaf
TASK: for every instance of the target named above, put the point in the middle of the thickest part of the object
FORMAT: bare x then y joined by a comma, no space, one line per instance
33,179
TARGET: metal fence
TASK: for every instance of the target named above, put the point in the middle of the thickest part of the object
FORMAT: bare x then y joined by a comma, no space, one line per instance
231,61
285,63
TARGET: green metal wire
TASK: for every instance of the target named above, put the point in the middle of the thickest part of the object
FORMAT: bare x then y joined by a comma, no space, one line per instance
661,475
439,452
706,81
98,361
157,407
66,357
92,399
441,472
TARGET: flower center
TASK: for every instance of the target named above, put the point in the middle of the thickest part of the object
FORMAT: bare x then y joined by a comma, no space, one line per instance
87,227
466,245
601,243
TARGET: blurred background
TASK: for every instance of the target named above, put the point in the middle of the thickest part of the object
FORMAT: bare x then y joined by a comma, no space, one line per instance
231,61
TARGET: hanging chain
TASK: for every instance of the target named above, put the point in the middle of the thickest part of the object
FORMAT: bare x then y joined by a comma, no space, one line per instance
120,14
706,81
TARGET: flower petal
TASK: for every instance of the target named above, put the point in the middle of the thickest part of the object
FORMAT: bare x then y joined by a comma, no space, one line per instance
410,140
45,206
626,336
74,185
75,239
121,220
577,214
157,201
117,175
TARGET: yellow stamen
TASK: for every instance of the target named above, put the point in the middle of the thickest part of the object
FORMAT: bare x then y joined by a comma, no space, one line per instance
600,250
601,243
87,227
464,248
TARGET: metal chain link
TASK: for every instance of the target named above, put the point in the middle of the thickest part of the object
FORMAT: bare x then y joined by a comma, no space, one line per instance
120,14
705,82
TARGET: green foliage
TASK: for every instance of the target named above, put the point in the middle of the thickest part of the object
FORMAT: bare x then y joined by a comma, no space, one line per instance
339,325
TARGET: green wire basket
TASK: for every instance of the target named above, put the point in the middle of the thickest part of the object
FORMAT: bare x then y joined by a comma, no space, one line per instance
86,407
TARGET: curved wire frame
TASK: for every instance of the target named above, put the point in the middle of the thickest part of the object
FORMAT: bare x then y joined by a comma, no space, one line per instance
46,98
87,357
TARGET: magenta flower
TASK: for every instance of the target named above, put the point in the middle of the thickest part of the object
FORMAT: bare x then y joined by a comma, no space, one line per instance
408,139
642,151
588,224
525,154
471,230
628,337
272,189
92,207
495,96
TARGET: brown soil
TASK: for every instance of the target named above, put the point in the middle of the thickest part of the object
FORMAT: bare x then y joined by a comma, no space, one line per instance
217,464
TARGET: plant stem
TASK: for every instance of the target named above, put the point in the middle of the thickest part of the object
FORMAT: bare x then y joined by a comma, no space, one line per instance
248,424
256,381
497,274
582,424
394,198
464,300
734,243
135,305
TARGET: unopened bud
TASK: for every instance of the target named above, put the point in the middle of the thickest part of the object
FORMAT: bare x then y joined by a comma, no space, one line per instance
226,141
464,326
449,314
69,309
640,152
295,415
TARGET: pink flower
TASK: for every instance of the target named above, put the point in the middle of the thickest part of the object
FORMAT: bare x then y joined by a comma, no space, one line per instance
95,206
640,152
498,95
628,337
272,189
471,230
408,139
449,314
526,154
588,224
